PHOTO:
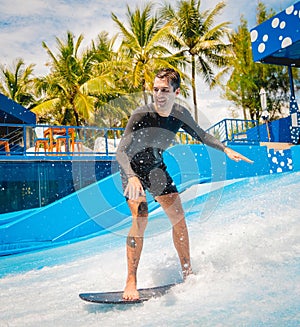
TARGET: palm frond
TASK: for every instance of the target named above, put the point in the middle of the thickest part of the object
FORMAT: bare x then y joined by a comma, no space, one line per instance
46,106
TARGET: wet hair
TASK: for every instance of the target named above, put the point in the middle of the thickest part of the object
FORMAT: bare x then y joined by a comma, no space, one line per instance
171,75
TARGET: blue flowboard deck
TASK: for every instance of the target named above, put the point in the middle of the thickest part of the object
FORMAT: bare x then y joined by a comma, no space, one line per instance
116,297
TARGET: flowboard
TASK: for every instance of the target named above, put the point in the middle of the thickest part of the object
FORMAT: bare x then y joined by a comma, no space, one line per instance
116,297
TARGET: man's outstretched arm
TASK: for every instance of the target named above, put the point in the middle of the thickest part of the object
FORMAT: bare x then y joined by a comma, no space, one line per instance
233,155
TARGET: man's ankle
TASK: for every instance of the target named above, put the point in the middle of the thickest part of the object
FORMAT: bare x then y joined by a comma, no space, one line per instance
131,280
186,273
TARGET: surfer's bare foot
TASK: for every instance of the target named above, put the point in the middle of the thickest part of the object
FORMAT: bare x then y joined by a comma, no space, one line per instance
131,292
186,273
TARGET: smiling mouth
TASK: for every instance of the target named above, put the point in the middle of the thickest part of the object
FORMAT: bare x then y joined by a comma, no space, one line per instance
161,102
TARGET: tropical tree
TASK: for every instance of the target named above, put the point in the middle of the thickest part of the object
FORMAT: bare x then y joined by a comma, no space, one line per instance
240,85
17,83
199,40
142,50
107,86
247,77
74,82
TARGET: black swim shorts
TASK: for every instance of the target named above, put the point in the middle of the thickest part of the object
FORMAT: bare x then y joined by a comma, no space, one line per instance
157,181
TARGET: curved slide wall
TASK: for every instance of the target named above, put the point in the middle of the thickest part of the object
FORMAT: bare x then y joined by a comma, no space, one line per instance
101,208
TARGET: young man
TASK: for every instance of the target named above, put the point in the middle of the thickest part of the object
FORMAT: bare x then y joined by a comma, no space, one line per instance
150,130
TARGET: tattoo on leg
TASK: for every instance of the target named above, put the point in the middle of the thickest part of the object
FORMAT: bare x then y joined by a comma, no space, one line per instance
131,242
143,209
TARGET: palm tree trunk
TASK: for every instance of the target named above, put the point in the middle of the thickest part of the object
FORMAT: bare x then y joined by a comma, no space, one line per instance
75,114
145,93
76,117
244,113
194,88
243,104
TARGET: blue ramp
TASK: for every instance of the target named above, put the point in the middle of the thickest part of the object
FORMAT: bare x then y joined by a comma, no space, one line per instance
101,207
93,209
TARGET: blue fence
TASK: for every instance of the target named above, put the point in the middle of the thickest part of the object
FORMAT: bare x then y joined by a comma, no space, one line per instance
34,183
33,178
235,130
24,138
87,141
103,141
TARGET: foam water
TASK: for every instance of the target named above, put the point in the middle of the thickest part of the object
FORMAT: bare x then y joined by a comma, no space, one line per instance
245,254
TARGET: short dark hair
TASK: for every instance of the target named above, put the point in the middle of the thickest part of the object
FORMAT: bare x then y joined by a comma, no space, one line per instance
171,75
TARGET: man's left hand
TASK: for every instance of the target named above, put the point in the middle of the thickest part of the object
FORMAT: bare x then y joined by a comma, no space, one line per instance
233,155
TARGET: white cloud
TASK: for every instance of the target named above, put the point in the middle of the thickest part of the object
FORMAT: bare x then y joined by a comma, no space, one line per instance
22,8
25,24
235,9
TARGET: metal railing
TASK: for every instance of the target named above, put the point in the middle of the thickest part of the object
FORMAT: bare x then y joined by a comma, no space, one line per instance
235,130
103,141
88,141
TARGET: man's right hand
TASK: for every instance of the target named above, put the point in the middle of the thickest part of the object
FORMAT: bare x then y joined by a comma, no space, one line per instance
134,189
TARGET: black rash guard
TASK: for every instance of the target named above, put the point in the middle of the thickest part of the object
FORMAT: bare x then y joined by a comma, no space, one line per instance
148,134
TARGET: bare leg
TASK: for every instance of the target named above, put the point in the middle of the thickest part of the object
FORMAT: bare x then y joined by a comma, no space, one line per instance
139,211
171,203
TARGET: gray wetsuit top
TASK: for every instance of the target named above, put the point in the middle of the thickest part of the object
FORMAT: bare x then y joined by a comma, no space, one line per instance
147,135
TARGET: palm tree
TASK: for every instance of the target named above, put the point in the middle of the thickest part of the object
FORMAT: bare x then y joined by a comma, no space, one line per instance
199,39
246,77
17,84
142,50
74,82
241,86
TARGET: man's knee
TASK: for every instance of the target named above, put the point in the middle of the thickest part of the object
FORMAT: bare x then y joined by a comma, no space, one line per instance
141,220
139,209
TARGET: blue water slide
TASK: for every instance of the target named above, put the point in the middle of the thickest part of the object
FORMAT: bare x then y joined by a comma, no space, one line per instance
101,207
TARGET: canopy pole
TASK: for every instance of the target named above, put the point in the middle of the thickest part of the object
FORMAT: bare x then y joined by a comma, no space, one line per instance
291,81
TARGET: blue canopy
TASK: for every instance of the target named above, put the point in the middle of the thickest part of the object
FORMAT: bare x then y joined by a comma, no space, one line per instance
277,40
13,113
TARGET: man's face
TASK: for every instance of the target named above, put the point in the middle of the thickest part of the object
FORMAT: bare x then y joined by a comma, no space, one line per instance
164,96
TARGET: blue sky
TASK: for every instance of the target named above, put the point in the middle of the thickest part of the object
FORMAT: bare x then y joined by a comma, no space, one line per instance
25,24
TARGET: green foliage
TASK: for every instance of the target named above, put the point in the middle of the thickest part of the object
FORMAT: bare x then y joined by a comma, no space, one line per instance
17,83
247,78
201,42
142,50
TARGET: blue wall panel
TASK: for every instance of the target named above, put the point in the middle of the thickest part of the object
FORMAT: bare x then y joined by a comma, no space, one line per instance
279,131
33,183
295,152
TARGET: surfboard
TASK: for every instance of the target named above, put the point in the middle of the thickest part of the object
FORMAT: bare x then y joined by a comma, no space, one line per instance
116,296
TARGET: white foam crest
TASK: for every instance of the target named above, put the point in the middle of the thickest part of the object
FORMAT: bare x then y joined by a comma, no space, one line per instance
245,256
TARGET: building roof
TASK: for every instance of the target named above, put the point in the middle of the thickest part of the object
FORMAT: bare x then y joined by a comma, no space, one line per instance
13,113
277,40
